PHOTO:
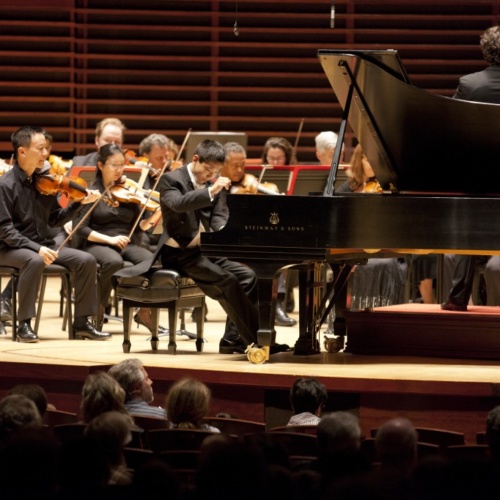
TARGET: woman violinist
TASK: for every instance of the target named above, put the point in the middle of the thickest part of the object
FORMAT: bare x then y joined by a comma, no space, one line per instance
106,231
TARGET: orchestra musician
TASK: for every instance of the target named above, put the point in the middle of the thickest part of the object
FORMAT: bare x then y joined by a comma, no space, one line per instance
380,282
107,131
279,151
106,231
482,86
193,198
25,241
325,142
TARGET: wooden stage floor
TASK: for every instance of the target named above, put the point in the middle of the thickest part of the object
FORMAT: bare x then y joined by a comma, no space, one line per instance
433,392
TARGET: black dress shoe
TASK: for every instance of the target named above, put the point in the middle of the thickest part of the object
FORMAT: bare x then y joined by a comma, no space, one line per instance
450,306
276,348
236,346
282,319
89,332
5,310
26,334
161,329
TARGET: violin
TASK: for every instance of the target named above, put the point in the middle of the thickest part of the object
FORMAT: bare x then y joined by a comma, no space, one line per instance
128,191
250,185
50,181
58,162
132,159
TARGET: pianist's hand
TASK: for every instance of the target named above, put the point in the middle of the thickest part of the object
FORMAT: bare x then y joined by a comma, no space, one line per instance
220,184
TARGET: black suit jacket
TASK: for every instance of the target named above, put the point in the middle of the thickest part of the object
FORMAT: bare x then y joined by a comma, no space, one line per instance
183,208
483,86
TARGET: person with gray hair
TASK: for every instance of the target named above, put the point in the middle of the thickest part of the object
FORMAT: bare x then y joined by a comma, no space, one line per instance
326,142
154,147
138,387
338,431
396,445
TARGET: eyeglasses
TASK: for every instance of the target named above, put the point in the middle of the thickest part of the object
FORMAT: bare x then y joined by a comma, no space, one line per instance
115,166
212,170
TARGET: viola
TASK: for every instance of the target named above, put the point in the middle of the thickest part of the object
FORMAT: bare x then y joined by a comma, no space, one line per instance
128,191
250,185
50,181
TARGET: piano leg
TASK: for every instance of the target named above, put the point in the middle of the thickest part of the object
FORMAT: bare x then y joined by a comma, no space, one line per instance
311,290
267,288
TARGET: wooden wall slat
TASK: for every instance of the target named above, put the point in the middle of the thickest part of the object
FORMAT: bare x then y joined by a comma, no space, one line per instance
166,66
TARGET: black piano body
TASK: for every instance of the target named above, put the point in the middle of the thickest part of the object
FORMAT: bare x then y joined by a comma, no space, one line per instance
436,159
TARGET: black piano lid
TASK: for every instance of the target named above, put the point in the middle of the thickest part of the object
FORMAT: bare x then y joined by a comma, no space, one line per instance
415,141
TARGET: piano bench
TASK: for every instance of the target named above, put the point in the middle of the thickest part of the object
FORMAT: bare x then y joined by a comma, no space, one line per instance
162,288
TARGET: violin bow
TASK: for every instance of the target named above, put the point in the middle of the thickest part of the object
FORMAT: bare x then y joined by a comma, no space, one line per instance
73,231
183,145
294,150
137,220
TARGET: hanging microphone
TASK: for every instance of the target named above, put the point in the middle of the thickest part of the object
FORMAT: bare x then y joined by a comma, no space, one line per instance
235,28
332,15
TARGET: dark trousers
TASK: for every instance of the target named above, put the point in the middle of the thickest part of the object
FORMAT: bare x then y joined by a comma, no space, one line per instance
463,278
111,260
81,264
232,284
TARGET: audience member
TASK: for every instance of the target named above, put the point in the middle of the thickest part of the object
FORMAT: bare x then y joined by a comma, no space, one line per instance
187,402
396,445
493,433
111,432
138,387
36,393
101,393
17,412
307,397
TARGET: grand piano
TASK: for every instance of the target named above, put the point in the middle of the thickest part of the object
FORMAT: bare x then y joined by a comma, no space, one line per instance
436,159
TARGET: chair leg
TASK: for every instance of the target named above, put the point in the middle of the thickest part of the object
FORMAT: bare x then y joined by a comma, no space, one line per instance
172,327
127,325
14,306
155,318
41,295
200,324
68,311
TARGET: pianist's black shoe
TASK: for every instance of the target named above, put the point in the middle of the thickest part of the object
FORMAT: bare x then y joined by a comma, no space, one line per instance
87,331
5,310
26,334
451,306
233,346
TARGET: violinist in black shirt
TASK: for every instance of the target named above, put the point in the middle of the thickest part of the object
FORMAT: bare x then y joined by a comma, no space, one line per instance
26,217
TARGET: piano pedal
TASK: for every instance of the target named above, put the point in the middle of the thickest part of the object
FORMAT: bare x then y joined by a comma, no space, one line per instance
334,344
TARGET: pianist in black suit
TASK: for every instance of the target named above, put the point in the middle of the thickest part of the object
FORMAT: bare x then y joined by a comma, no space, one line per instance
483,86
193,199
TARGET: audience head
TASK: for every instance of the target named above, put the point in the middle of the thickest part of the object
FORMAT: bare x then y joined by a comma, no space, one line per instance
490,45
338,431
17,412
325,146
493,433
396,444
278,151
234,163
111,430
187,402
308,395
101,393
133,378
34,392
109,131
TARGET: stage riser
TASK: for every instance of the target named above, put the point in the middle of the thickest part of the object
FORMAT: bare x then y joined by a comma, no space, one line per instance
447,335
